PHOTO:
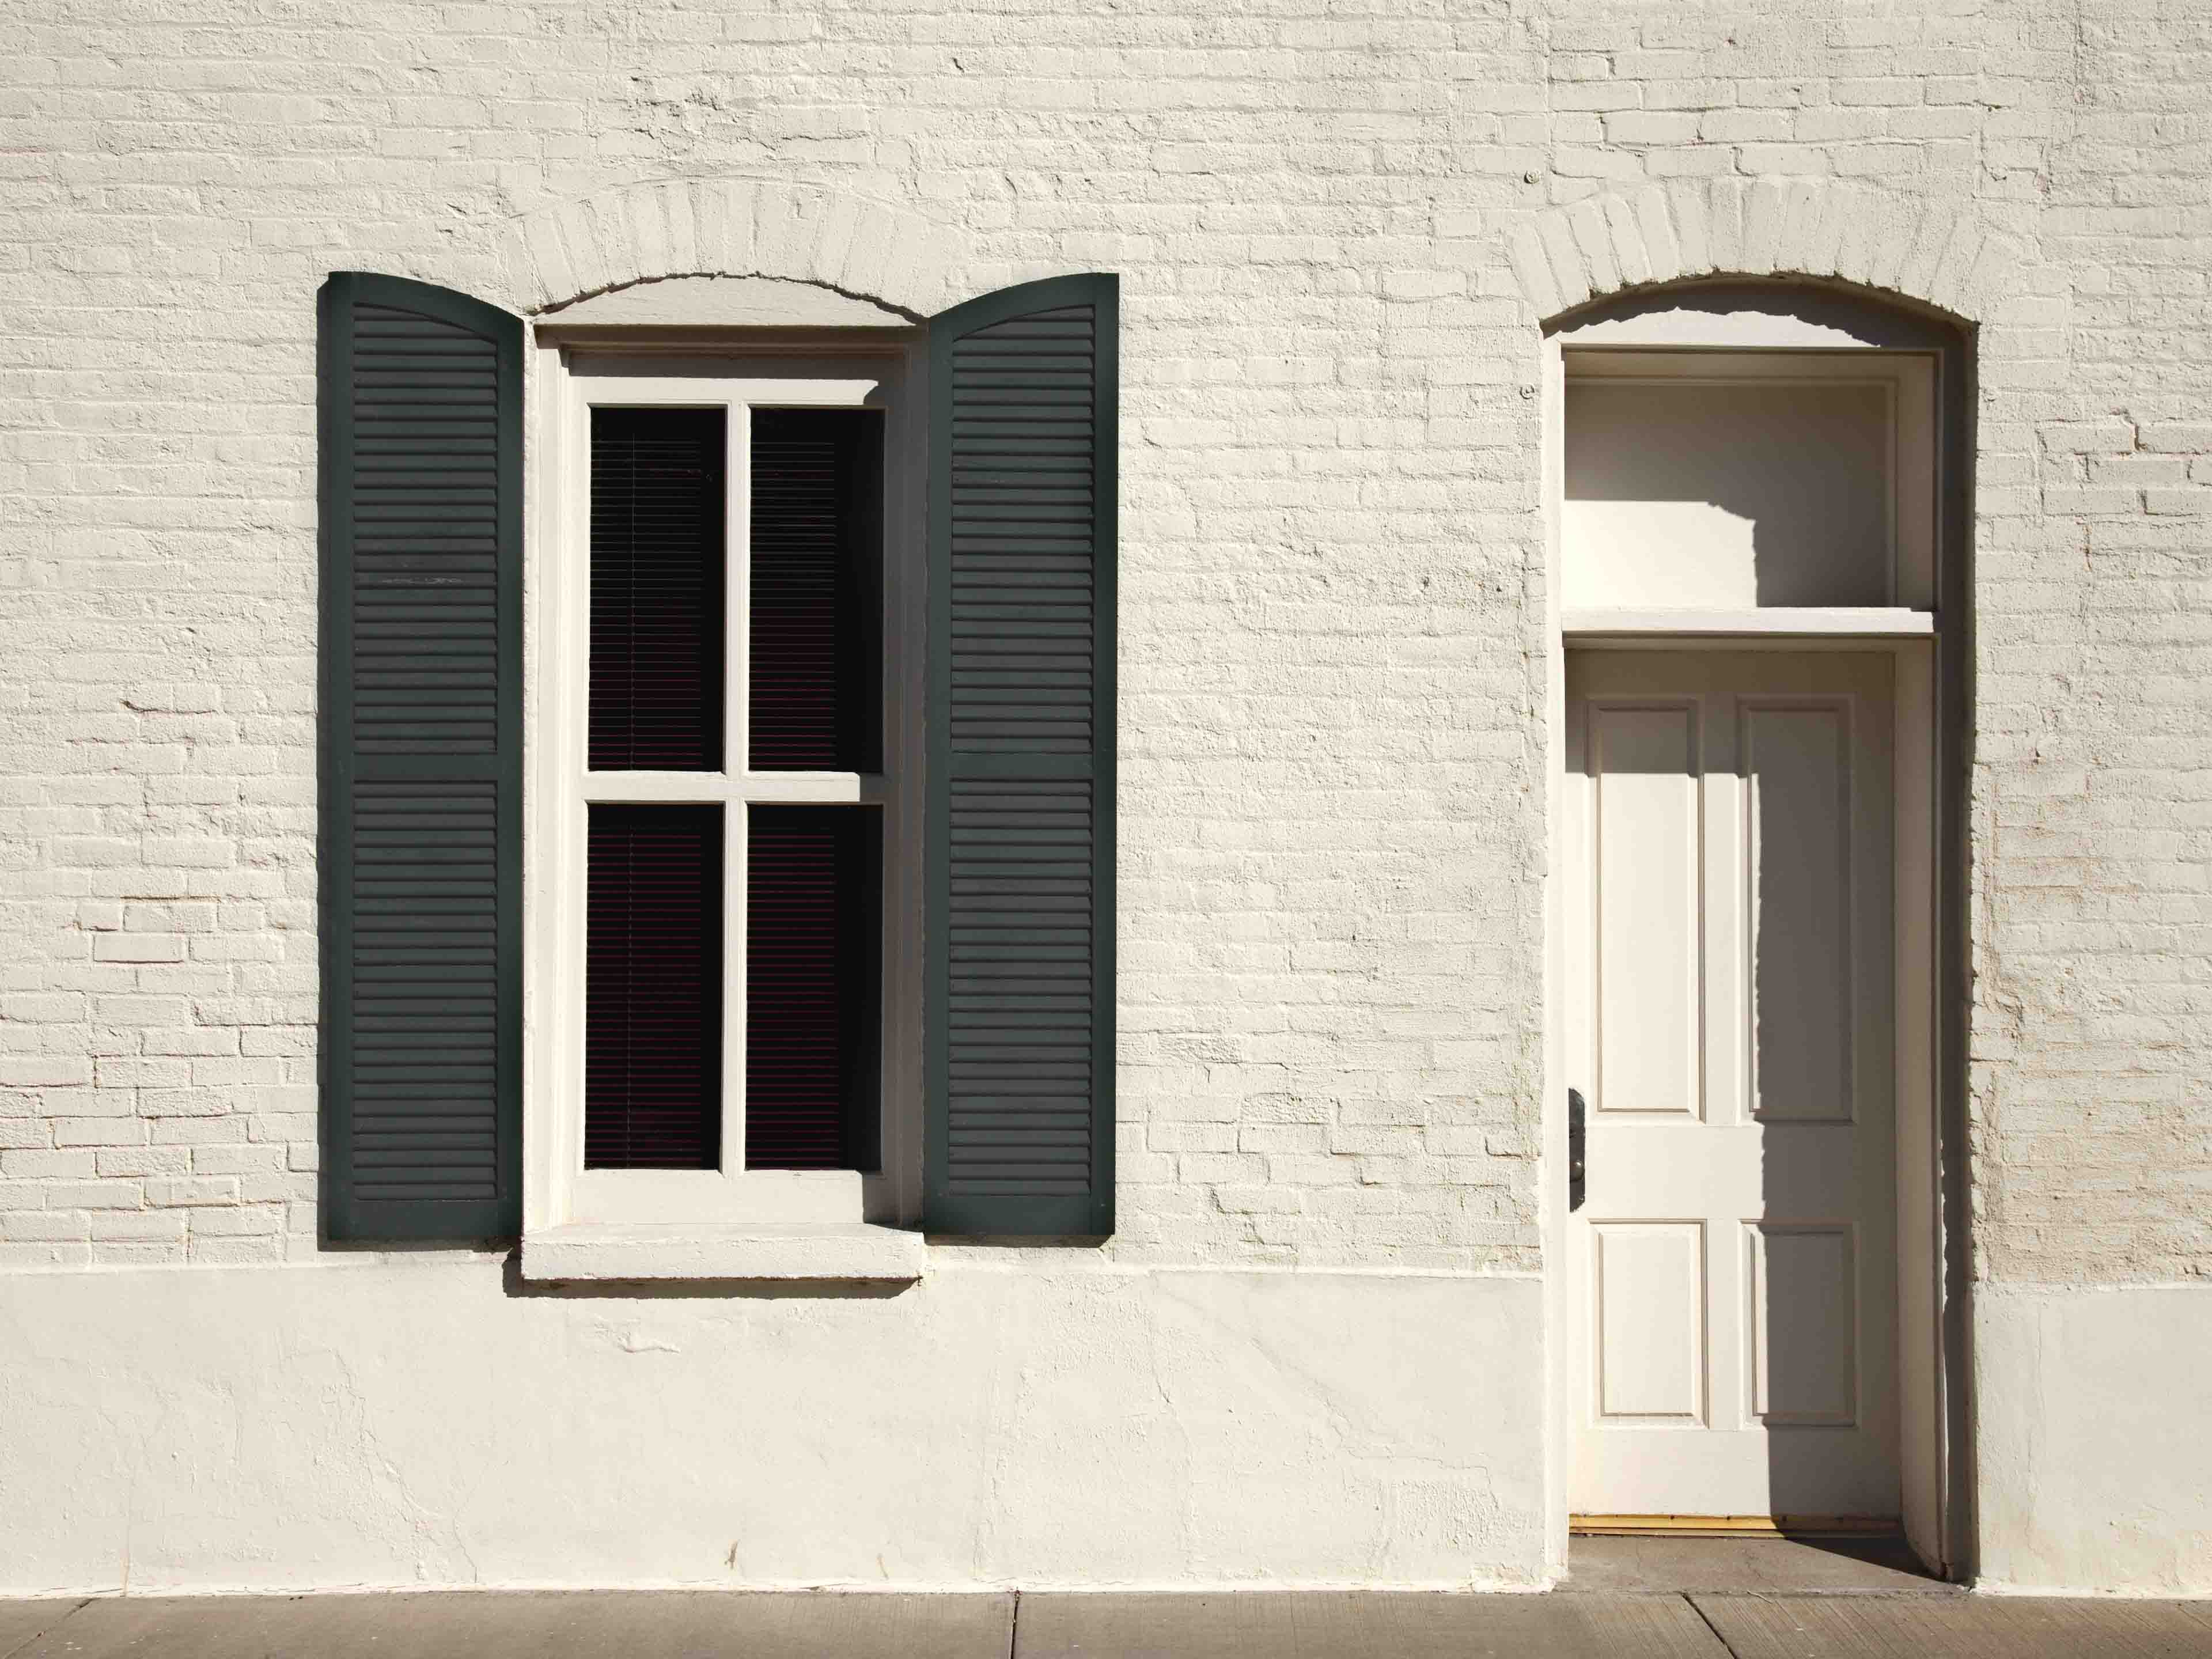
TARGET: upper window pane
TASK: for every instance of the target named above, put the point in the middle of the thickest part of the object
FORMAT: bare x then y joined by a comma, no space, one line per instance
816,680
657,589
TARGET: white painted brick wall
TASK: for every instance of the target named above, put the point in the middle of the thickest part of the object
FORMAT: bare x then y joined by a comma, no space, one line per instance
1332,555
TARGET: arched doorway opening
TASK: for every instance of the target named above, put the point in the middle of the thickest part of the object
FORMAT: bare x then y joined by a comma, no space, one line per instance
1758,505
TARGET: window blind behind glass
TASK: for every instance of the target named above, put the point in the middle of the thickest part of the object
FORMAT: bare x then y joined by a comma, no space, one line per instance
817,675
813,927
653,988
658,562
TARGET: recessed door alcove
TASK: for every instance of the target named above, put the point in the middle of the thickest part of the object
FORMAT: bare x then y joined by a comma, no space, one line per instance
1757,537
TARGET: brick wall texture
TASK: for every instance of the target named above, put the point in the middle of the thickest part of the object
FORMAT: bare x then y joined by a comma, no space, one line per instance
1338,226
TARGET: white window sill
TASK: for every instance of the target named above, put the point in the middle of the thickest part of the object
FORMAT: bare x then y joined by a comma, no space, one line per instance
665,1251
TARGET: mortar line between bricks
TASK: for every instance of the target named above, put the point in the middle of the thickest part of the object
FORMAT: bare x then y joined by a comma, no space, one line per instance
1727,1646
40,1635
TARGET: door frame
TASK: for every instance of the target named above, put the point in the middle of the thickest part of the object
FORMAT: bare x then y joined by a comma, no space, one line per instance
1930,650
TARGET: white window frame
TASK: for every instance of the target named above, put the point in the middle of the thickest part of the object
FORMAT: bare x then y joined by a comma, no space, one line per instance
560,789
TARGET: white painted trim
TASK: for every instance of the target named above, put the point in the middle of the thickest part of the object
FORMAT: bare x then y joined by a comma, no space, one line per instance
610,380
726,1196
635,1251
1551,1198
550,957
715,788
1640,627
1914,794
558,1192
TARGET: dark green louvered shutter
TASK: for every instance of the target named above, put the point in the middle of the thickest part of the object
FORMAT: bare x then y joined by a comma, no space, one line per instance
1019,1016
420,761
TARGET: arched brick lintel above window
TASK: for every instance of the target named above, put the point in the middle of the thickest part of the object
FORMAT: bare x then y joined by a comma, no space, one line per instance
653,229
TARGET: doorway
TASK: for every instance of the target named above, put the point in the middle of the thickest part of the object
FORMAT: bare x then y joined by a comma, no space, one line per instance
1777,474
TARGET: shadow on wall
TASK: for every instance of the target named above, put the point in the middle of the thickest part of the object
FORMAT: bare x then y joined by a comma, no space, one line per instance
1731,494
1821,1378
1761,483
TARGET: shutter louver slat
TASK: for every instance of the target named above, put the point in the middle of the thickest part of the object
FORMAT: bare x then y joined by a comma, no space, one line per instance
422,498
1022,566
1020,1023
426,924
1020,1012
420,765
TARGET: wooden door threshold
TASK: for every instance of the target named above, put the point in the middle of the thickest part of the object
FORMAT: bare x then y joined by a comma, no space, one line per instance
1734,1526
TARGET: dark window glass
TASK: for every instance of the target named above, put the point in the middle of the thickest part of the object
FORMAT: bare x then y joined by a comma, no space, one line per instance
813,977
657,589
817,675
652,989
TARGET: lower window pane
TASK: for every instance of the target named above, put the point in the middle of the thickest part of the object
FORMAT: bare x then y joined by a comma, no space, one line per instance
813,921
652,989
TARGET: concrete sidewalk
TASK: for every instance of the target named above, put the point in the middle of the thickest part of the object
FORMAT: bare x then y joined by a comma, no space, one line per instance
1258,1625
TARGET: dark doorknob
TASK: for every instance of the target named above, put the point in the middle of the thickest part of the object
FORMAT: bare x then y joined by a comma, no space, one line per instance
1578,1144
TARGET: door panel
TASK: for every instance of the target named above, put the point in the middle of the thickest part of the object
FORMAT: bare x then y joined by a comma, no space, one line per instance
1651,1319
1729,920
1647,900
1803,1319
1796,778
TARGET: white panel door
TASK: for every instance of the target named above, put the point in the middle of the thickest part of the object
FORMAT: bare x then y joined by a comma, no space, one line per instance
1730,1011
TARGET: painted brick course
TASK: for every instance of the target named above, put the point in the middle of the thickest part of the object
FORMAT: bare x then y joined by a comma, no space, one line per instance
1337,230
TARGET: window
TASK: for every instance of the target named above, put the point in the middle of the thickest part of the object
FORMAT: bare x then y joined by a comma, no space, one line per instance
722,638
626,850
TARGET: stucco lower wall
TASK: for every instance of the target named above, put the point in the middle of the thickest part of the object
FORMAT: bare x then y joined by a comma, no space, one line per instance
418,1425
2095,1439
